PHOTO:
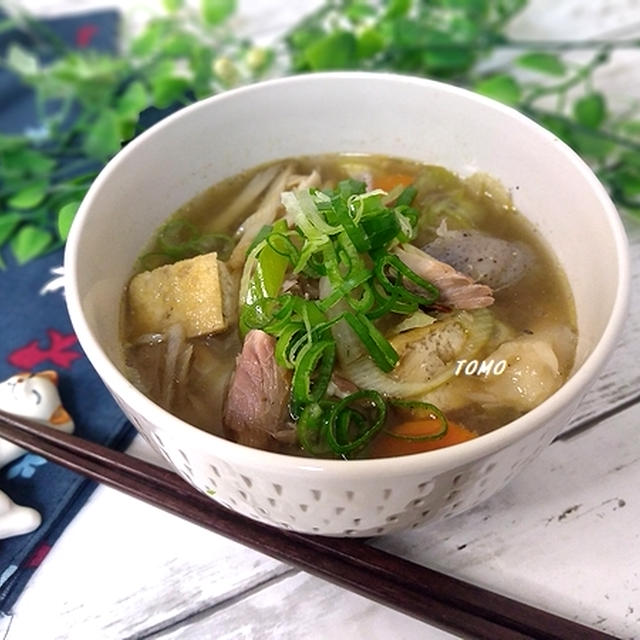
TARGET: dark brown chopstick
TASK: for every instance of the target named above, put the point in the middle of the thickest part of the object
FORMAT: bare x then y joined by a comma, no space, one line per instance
425,594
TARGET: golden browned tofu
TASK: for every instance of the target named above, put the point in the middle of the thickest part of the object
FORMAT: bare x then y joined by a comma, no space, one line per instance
188,292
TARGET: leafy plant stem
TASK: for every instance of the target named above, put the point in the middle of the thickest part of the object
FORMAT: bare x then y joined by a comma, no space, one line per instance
582,74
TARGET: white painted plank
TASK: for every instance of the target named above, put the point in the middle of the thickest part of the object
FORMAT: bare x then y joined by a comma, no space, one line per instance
563,536
122,568
620,380
300,607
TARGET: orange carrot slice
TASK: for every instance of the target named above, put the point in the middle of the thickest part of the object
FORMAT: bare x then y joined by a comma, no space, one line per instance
388,181
386,445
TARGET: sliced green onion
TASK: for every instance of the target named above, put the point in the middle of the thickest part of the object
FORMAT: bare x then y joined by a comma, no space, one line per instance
306,214
269,272
421,407
396,288
306,261
381,229
351,187
175,236
365,301
154,259
407,225
180,239
343,235
379,348
366,204
281,244
314,365
348,429
312,429
407,196
289,336
261,236
389,303
342,217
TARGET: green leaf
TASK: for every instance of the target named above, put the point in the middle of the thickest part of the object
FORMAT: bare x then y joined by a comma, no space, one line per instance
30,196
397,8
625,179
409,34
559,126
591,146
178,45
630,185
25,162
358,11
370,42
590,110
447,60
336,51
65,218
506,9
21,61
11,142
103,137
215,11
8,224
631,128
541,62
167,90
135,99
172,5
148,41
30,242
502,87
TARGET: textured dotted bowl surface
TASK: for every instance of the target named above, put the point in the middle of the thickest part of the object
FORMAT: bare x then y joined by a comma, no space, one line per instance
346,112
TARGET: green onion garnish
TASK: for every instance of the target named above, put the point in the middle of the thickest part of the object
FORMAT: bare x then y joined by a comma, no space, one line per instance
392,264
422,408
379,348
341,238
180,239
313,367
349,428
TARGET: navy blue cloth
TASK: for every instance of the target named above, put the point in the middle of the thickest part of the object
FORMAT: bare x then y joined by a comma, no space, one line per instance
35,335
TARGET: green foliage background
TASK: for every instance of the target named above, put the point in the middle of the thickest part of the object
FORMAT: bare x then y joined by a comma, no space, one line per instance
185,55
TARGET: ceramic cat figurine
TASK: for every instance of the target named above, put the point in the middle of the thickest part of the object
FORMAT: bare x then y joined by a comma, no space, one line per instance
32,395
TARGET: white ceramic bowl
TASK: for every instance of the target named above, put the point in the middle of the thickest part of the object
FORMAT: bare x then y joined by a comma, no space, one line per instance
349,112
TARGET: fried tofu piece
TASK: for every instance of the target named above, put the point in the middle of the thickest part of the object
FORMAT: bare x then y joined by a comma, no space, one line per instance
190,292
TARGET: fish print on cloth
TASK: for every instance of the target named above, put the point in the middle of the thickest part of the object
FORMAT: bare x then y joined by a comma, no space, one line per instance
32,395
58,351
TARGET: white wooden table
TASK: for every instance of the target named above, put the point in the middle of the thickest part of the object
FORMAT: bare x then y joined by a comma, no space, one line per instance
563,536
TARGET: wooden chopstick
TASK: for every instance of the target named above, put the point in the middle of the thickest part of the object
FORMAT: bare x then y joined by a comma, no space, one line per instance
423,593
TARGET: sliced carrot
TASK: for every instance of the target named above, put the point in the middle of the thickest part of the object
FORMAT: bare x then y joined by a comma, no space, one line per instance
386,445
390,180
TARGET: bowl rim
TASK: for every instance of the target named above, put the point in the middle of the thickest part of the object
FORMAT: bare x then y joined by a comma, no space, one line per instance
432,461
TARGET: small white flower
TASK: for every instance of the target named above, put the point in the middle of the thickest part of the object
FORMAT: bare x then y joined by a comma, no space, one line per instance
38,134
56,283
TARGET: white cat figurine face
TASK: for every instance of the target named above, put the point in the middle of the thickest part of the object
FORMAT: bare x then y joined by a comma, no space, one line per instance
35,396
32,395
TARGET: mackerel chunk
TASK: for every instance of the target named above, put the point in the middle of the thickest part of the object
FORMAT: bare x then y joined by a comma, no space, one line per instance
255,412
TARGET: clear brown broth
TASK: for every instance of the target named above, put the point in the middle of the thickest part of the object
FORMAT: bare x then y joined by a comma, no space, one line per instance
543,295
